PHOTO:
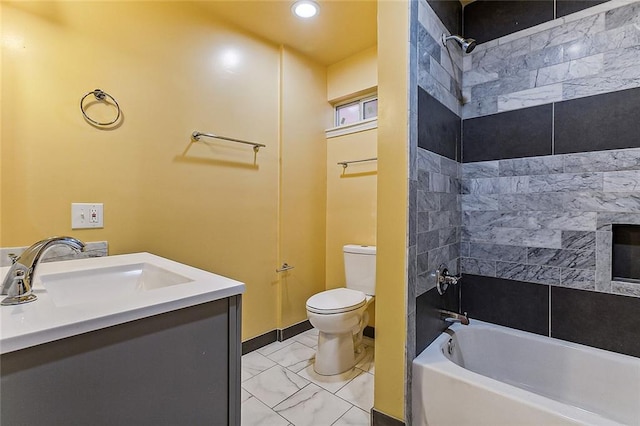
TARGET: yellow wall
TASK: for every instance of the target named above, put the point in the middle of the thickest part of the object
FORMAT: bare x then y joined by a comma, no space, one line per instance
351,193
354,75
351,202
305,115
351,199
391,291
174,69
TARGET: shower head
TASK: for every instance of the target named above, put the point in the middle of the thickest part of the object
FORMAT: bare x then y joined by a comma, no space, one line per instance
467,44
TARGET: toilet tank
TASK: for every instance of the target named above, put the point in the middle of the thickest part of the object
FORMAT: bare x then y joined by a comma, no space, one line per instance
360,268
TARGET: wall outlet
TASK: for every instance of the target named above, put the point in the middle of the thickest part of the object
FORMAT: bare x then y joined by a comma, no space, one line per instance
87,215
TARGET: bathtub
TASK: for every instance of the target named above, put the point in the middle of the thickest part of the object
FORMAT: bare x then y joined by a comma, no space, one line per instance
500,376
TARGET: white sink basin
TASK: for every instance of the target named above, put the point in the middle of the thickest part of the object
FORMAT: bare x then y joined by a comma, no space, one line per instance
92,285
79,296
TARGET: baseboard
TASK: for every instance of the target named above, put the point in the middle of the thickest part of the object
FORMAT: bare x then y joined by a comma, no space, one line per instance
279,334
259,341
378,418
293,330
369,332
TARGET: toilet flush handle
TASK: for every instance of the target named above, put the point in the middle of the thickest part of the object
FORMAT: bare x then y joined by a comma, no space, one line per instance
285,267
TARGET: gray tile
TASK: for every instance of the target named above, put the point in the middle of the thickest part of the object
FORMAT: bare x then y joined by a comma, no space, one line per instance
581,259
578,240
603,260
606,219
479,202
624,288
505,253
566,182
428,161
448,236
428,241
529,273
449,202
602,161
624,15
428,201
548,238
622,181
578,278
478,267
544,165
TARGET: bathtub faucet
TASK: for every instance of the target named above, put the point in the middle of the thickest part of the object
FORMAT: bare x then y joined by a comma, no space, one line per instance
452,317
18,282
444,278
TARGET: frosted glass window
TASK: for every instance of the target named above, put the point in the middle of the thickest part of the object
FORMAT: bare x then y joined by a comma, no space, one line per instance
370,108
356,110
347,114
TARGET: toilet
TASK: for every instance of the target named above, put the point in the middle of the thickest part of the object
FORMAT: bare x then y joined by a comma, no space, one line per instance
340,314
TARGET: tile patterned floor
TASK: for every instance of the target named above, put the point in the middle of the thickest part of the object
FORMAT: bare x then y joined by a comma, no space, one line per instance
279,387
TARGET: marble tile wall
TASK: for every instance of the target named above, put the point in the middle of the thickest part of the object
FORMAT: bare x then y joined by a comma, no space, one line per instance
439,68
56,253
434,180
590,52
549,219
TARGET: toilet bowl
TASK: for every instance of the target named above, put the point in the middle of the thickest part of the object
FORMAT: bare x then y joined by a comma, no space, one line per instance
340,314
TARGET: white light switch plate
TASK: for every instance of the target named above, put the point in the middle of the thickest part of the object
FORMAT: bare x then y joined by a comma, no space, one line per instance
87,215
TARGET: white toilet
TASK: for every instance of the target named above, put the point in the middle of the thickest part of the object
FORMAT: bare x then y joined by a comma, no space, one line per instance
340,314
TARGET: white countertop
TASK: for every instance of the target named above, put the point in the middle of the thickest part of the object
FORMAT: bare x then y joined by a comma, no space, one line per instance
41,321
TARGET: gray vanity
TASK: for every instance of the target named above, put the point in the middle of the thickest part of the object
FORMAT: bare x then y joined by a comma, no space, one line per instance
173,359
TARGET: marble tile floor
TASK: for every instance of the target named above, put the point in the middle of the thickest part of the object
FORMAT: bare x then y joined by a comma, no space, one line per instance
279,387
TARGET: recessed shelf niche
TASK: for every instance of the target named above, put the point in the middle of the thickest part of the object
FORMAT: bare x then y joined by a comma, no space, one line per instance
625,253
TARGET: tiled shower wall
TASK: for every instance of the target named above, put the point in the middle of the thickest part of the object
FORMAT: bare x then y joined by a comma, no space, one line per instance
586,53
551,161
548,219
550,155
537,212
434,175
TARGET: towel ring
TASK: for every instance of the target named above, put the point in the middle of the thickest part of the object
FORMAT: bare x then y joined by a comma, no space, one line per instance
100,96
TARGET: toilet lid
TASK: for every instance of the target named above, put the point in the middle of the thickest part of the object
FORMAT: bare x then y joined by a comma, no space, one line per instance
336,301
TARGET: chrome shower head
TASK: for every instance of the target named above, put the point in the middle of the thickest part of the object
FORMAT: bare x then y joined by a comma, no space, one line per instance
467,44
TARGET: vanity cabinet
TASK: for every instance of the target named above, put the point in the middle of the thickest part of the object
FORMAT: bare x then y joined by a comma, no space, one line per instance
176,368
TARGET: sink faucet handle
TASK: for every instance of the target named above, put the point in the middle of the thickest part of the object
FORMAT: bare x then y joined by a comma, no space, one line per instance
20,290
14,258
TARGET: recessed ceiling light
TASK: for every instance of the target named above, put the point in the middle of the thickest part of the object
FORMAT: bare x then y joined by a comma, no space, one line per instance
305,8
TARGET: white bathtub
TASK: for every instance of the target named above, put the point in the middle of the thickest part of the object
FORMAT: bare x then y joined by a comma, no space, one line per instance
500,376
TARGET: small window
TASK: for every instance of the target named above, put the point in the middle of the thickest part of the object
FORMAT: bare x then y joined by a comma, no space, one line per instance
370,109
347,114
355,111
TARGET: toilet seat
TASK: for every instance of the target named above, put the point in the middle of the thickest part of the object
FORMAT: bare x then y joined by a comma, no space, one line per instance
336,301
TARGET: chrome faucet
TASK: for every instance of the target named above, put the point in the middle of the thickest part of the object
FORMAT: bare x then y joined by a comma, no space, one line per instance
18,282
452,317
444,278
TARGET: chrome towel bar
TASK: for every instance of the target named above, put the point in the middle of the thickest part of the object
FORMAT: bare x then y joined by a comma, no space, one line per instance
345,164
256,146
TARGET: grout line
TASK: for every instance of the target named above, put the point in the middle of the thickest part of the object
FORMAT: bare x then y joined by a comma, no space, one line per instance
553,128
549,311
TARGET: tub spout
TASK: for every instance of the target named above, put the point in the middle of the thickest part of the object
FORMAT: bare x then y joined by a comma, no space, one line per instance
452,317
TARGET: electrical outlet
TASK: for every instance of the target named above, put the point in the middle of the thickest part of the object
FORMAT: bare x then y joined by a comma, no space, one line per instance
87,215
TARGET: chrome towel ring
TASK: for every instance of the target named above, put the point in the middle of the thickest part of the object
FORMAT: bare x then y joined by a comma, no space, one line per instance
101,96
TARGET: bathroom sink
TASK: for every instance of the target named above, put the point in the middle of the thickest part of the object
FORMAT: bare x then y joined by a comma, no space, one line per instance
83,295
76,287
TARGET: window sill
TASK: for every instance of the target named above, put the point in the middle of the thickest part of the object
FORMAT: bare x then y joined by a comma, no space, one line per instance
360,126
